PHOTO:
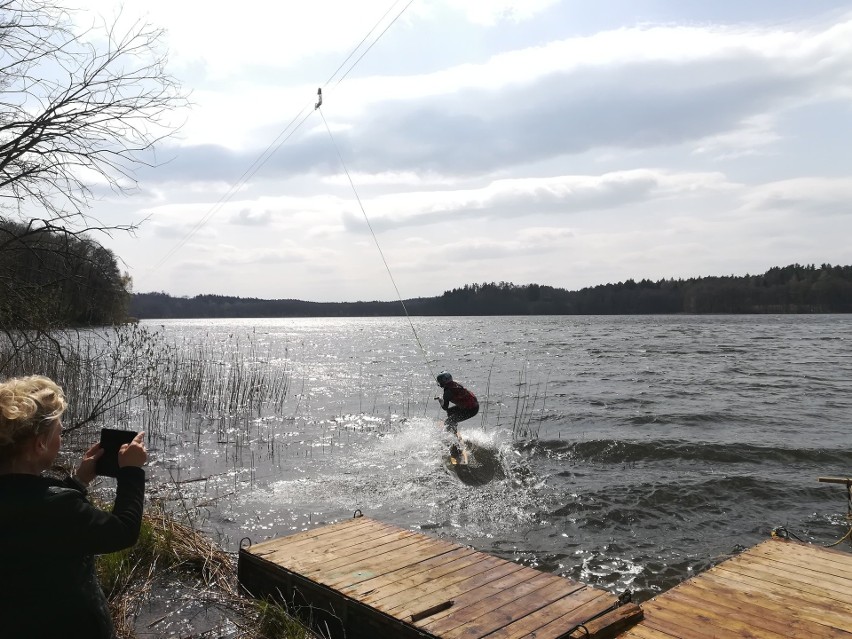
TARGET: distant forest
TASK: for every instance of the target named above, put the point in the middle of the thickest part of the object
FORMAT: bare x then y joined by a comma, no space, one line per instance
52,277
789,289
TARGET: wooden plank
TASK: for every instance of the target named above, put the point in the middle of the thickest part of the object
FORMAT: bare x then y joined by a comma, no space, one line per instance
306,559
776,589
487,598
332,561
440,579
314,547
783,578
505,608
717,620
367,559
471,595
553,620
807,559
746,613
822,568
842,586
739,606
644,632
812,550
610,624
315,534
463,593
559,625
793,592
409,576
763,611
661,616
351,536
836,480
452,584
455,586
375,565
804,605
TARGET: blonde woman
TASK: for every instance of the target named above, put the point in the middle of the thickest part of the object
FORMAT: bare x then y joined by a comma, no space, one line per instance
49,532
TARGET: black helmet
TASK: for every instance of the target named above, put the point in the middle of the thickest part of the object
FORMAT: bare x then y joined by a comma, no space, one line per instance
443,378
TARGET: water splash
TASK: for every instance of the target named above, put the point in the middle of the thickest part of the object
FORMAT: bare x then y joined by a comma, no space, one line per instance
401,474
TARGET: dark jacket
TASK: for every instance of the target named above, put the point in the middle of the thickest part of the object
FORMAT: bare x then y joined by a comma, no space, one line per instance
49,534
458,395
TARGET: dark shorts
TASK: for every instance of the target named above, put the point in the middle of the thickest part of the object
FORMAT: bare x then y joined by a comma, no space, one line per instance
456,414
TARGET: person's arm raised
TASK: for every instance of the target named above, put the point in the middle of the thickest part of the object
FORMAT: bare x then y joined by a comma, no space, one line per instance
86,472
134,453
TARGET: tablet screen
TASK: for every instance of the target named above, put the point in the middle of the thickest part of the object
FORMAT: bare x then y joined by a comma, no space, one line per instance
111,440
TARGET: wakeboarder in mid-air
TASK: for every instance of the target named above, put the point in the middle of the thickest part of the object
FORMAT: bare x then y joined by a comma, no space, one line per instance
465,406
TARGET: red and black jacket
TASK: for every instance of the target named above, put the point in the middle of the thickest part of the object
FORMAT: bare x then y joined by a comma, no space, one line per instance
459,395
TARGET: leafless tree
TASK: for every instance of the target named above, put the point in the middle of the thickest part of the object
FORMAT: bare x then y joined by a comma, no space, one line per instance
81,109
78,109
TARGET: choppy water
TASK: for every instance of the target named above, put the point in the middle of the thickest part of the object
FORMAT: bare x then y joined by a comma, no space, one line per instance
645,448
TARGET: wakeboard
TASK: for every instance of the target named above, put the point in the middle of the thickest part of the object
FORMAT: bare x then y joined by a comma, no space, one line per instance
458,453
474,465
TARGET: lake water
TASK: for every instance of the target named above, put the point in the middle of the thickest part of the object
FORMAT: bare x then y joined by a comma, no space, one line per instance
633,452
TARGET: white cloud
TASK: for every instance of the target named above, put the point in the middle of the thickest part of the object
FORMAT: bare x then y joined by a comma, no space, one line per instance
398,178
288,254
811,195
750,139
641,150
249,217
738,51
179,231
521,197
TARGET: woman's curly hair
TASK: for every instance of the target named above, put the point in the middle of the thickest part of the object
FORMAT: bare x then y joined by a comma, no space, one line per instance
27,406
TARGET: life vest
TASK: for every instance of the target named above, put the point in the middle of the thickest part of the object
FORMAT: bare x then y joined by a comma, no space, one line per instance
460,396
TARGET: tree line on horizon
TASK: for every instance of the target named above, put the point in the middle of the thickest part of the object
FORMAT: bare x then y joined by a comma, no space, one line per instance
790,289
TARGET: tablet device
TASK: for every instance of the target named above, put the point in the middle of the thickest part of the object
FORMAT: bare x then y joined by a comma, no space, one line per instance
111,440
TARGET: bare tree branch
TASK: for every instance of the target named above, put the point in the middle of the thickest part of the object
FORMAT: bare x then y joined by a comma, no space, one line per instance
71,109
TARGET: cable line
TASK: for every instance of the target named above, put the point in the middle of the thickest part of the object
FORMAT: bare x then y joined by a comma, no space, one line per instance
410,2
244,178
364,39
375,239
273,146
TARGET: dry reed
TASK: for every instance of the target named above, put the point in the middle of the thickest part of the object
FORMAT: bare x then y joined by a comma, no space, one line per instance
169,547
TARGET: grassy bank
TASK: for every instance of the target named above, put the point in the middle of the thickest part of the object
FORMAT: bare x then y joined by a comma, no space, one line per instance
176,581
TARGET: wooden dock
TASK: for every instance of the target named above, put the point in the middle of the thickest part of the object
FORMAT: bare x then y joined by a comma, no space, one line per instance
361,578
778,589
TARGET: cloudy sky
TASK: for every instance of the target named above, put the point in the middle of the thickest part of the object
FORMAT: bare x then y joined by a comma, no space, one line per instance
556,142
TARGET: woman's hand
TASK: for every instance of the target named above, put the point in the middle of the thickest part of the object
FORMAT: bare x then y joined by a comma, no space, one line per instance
86,470
134,453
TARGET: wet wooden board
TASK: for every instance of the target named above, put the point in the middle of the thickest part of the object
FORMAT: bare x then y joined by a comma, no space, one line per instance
779,589
364,578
